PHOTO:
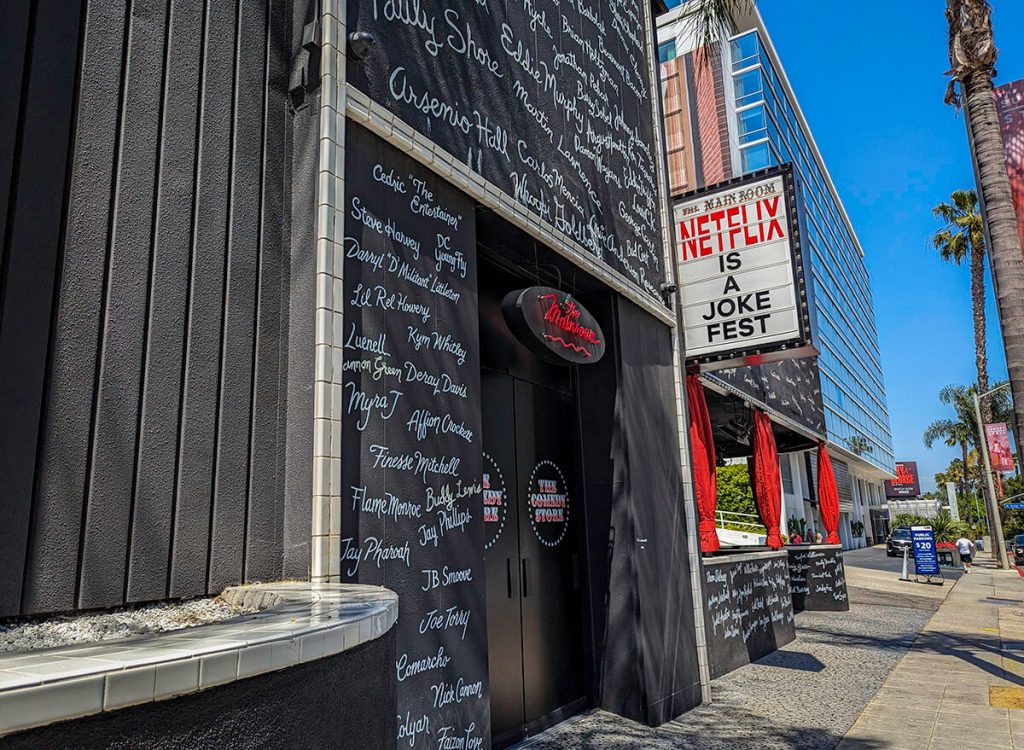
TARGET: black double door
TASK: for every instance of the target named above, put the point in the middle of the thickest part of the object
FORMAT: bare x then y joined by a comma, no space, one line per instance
532,520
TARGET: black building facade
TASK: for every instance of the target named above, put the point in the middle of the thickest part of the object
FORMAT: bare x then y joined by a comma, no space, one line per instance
256,265
157,206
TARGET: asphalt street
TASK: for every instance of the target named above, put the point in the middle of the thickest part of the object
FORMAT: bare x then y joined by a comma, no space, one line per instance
874,558
874,578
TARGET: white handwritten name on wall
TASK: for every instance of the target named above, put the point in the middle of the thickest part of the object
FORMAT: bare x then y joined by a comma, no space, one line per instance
548,99
747,599
411,495
818,579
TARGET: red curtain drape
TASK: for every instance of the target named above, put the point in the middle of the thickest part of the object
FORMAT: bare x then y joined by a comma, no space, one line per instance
766,480
702,448
828,496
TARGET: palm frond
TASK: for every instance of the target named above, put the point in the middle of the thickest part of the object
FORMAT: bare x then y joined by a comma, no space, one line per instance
940,429
711,20
962,234
952,246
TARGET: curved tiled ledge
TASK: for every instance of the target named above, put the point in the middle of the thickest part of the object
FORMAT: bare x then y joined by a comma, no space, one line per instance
305,621
735,557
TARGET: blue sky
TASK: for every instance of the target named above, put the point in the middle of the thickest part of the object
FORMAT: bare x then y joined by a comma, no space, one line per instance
869,78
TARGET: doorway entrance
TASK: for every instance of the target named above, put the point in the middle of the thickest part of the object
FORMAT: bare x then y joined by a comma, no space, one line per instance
532,522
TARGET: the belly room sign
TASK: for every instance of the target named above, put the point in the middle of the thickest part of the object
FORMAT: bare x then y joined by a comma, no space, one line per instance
741,274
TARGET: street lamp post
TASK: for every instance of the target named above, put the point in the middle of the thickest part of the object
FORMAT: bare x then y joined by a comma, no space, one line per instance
995,521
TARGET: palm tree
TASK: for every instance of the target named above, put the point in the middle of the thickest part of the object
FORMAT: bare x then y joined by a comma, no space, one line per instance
972,58
960,432
961,238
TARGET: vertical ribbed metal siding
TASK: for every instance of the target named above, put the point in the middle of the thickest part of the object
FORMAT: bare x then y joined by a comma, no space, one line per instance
146,261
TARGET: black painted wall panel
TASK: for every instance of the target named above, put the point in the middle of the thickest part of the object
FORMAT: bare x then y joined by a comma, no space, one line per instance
161,397
206,303
14,40
232,475
32,230
147,356
115,428
52,568
13,43
265,516
646,445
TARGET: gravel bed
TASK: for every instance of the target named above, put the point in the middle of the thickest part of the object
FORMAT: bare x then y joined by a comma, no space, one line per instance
805,695
117,625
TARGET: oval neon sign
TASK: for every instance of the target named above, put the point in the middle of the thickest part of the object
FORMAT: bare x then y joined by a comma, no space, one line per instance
554,325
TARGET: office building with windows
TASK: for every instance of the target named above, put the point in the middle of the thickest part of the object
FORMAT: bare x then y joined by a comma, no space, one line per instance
731,111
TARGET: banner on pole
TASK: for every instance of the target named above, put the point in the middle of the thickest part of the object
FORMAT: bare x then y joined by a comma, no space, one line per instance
1010,105
998,438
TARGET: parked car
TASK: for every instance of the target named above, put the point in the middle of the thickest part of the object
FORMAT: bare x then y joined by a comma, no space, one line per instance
1017,547
899,539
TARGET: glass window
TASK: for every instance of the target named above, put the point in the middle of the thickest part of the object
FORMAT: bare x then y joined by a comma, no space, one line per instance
755,157
752,124
744,51
787,474
748,87
667,51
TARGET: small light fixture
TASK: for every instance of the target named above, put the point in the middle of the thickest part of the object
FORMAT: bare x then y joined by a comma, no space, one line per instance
360,43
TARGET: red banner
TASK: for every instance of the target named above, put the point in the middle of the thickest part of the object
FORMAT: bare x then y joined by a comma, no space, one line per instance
1010,103
998,438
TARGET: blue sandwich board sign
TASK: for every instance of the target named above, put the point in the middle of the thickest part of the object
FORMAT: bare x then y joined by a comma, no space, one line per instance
926,561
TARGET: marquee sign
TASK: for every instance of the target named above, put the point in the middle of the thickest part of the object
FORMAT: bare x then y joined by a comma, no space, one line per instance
741,276
554,325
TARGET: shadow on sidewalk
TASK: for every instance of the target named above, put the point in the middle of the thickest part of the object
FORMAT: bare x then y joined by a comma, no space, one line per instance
963,647
697,729
787,659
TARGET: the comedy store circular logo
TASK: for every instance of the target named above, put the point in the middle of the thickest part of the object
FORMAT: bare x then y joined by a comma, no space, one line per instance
549,503
495,502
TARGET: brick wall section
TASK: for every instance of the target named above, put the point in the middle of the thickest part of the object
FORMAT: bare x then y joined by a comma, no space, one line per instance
679,148
711,118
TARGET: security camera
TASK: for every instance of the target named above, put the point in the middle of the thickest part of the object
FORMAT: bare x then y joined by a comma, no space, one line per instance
667,290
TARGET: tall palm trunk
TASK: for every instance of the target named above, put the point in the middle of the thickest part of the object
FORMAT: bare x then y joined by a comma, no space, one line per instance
966,483
1004,243
978,303
972,57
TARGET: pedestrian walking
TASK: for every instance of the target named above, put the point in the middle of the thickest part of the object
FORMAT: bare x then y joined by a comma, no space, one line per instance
966,549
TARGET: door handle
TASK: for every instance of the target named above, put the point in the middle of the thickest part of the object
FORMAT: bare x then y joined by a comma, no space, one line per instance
575,572
526,578
508,575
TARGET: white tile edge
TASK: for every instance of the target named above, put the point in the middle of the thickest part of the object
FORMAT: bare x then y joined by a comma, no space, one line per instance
328,637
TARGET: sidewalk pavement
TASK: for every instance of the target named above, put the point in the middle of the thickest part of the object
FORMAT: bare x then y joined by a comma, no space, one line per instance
952,688
805,696
872,578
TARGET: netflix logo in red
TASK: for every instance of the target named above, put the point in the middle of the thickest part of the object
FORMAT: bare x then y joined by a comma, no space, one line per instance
733,228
